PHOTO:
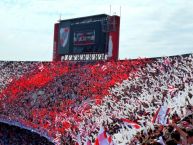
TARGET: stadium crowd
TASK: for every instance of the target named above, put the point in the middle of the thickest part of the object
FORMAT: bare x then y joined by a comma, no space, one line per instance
13,70
12,135
143,101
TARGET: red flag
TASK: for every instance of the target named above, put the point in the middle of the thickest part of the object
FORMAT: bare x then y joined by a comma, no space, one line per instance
110,140
131,123
102,138
161,115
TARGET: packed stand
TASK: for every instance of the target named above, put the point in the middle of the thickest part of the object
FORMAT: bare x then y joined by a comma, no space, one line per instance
12,135
178,131
73,103
13,70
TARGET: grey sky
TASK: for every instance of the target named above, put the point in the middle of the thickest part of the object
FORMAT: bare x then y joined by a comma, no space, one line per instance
149,28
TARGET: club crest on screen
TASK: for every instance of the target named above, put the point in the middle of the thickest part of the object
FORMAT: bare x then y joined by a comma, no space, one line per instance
64,35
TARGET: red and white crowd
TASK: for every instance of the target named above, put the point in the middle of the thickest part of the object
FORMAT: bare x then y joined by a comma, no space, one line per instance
142,101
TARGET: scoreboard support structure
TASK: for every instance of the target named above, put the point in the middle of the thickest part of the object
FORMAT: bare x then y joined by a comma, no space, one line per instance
89,38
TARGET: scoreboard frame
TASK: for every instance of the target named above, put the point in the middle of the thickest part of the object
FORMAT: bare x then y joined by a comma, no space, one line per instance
96,37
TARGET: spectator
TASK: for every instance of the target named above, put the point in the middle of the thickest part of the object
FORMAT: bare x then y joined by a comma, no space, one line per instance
134,100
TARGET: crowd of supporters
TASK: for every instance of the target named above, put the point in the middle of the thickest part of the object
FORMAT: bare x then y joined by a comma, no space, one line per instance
69,102
12,135
13,70
179,131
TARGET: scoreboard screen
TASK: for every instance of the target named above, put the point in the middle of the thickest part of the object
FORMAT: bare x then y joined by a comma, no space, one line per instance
84,38
81,38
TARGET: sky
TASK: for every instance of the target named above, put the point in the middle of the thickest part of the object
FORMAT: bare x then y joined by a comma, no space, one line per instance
149,28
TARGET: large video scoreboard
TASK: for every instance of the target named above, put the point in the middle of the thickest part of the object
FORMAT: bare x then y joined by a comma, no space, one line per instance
81,36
